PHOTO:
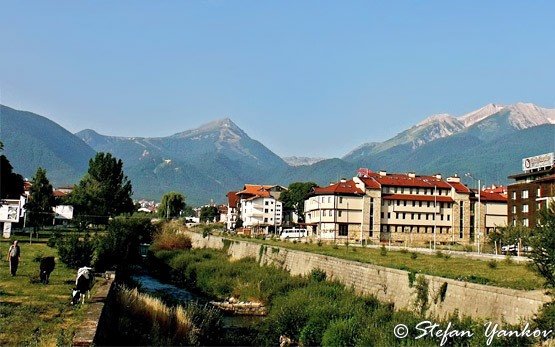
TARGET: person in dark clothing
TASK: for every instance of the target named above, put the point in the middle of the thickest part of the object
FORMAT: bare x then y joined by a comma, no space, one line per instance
14,255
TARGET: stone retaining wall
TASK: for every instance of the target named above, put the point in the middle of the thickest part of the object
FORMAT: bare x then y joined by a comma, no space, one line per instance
446,296
87,331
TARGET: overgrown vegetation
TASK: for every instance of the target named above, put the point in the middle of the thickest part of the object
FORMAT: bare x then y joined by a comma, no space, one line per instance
169,238
310,310
511,275
140,319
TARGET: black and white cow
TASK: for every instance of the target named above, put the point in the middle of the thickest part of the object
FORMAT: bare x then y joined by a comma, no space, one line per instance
83,284
47,265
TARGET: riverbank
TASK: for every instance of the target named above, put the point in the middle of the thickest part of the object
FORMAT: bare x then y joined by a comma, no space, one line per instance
500,272
309,309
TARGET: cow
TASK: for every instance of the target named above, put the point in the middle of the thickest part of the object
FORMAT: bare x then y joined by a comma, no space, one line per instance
47,265
83,284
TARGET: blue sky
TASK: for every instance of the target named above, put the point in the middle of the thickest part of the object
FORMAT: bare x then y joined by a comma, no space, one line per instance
307,78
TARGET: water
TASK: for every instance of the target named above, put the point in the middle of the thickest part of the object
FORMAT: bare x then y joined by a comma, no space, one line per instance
183,296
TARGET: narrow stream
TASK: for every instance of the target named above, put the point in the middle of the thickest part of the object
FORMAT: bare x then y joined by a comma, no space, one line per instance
179,295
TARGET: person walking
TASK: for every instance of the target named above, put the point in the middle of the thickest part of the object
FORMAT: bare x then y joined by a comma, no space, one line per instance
14,254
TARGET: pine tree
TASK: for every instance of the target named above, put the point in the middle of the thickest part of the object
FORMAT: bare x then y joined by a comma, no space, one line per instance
41,200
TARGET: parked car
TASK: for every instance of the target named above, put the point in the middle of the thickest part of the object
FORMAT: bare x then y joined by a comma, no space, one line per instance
293,233
513,249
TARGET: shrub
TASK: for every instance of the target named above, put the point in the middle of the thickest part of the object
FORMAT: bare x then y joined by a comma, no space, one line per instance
421,287
492,264
319,243
341,332
318,275
171,240
439,254
121,242
74,252
383,251
413,255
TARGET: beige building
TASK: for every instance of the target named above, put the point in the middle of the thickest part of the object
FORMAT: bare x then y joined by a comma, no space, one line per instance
335,211
399,208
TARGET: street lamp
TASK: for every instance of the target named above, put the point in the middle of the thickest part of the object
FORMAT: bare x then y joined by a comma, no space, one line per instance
477,220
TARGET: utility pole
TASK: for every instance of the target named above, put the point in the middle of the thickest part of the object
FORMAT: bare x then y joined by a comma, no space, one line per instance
435,215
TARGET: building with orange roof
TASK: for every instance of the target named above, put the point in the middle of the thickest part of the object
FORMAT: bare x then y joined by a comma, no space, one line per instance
391,207
259,208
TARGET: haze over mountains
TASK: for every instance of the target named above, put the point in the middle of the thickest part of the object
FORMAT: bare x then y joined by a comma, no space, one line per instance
206,162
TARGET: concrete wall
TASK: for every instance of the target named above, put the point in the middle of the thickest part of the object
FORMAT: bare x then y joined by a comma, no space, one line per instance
391,285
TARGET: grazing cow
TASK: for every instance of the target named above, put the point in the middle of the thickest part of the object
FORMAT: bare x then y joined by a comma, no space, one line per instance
83,284
47,265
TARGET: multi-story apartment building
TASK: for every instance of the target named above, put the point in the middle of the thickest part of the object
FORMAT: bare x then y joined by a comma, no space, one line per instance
533,190
399,208
260,209
335,211
232,210
492,210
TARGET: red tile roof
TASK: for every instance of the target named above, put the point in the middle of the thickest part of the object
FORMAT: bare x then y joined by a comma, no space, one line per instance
255,190
232,199
58,193
374,180
339,188
409,197
487,196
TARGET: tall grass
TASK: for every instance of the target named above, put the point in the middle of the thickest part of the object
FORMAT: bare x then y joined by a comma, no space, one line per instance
169,238
160,324
310,310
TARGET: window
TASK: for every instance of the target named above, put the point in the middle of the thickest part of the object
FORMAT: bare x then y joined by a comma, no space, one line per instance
265,220
525,222
448,217
388,215
339,213
398,202
343,230
265,210
266,203
514,195
525,194
413,203
419,216
329,199
340,199
539,193
412,216
382,214
525,208
405,203
420,204
323,197
514,209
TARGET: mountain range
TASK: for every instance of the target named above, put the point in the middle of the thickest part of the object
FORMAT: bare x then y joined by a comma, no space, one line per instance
206,162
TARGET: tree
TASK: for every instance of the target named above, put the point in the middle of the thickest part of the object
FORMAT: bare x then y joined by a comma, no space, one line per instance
103,192
543,246
510,235
208,213
293,198
41,200
11,184
171,205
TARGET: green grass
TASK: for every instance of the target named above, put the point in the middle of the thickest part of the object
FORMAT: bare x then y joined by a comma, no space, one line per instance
36,314
509,275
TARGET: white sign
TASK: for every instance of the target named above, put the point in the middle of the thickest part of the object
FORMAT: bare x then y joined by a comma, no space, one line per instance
64,212
7,230
9,213
539,161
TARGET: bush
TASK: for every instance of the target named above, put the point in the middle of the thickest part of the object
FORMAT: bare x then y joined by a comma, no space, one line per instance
74,252
340,332
318,275
171,240
492,264
383,251
121,242
413,255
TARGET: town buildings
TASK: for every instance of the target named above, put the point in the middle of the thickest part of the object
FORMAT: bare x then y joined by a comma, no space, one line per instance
402,208
258,207
534,189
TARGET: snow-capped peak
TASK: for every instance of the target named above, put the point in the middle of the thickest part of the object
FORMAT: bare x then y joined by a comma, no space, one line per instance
526,115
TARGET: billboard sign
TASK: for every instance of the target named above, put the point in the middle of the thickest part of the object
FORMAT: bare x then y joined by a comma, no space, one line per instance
539,161
9,213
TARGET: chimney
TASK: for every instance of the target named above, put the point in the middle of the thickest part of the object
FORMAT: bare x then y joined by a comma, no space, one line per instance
438,176
343,180
454,179
383,173
411,174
